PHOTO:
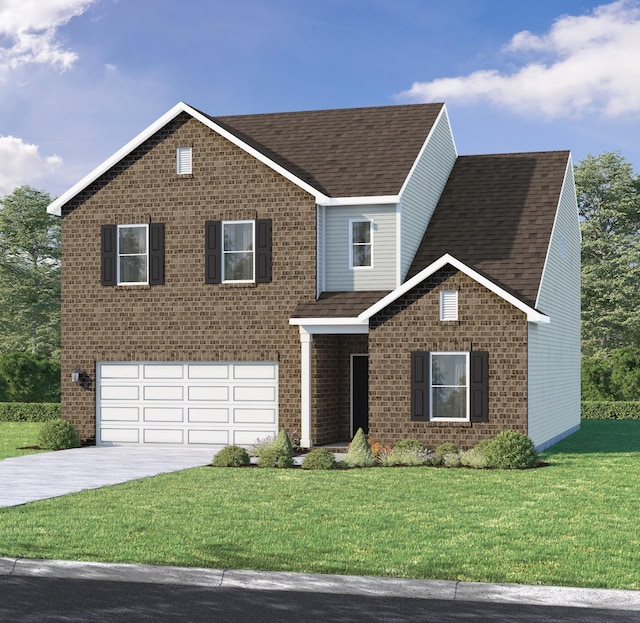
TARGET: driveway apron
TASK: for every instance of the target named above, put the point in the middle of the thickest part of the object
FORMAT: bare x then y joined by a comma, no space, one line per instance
48,475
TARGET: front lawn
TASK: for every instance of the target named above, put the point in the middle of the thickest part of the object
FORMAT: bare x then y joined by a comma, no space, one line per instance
15,435
576,522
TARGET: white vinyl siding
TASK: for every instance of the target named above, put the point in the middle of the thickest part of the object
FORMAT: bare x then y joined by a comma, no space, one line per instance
339,274
423,189
186,404
554,349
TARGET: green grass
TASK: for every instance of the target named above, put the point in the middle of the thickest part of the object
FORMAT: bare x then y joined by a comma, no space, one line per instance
14,435
575,523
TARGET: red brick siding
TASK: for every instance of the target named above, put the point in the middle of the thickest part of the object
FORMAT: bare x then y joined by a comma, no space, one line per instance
185,319
486,322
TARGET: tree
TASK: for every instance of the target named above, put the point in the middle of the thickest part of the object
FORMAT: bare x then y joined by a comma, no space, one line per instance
609,204
29,273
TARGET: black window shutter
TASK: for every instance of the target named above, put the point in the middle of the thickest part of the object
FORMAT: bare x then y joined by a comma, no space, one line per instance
156,254
213,252
109,255
479,365
263,251
420,388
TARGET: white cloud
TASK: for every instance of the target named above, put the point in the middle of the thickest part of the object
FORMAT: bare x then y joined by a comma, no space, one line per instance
22,164
28,32
582,65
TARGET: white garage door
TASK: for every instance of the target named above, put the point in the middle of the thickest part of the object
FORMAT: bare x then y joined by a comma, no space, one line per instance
186,404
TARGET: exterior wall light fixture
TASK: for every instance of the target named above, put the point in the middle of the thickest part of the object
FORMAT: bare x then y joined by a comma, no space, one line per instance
75,375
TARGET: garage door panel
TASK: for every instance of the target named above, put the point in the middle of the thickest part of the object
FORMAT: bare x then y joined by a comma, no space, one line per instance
208,415
119,414
186,403
163,392
208,371
209,393
119,392
208,437
253,416
157,371
162,414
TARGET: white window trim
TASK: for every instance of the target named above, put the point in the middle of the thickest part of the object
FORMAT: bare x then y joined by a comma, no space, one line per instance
443,296
253,251
118,254
442,419
351,243
180,151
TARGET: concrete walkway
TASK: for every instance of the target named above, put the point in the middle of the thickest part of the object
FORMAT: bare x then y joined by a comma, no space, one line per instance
51,474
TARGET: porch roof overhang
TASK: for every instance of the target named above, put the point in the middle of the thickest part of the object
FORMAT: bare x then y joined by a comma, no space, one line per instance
336,321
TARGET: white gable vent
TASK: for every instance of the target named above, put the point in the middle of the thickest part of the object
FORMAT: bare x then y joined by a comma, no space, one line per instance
183,158
448,305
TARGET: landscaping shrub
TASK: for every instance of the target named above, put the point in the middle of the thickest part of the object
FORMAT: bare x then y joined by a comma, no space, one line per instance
25,377
319,458
600,410
511,449
404,456
231,456
451,460
29,411
57,435
359,453
448,447
409,444
476,457
279,453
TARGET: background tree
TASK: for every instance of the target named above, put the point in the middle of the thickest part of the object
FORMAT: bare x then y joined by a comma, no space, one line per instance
29,273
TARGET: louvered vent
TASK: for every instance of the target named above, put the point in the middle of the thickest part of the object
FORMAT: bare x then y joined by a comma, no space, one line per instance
449,305
184,160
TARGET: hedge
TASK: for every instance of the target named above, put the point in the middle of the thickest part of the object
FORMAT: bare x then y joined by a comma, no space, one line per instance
611,410
29,411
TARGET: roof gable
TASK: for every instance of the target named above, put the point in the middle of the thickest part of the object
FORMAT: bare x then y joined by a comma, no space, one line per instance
342,153
496,214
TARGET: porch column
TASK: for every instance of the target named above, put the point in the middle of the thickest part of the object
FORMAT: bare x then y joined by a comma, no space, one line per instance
305,388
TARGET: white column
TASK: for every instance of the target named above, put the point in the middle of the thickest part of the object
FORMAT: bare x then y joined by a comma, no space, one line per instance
305,388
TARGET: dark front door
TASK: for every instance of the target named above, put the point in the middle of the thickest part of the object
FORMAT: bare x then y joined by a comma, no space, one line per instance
359,393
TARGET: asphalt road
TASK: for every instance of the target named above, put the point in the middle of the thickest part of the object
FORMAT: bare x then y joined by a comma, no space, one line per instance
35,599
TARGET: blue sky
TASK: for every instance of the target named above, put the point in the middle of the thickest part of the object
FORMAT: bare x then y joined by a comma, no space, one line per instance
80,78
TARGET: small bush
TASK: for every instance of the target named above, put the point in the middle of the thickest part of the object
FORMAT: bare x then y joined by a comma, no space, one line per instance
409,444
58,435
29,411
451,460
511,449
231,456
475,457
448,447
277,454
320,458
262,445
359,453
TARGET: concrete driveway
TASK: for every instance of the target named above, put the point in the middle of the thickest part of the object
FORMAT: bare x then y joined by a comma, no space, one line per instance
48,475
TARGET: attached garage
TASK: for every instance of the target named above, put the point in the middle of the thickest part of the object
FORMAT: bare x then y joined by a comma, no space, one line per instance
185,404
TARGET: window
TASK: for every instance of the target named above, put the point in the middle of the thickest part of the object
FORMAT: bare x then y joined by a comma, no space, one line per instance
237,250
184,160
132,254
449,386
361,244
448,305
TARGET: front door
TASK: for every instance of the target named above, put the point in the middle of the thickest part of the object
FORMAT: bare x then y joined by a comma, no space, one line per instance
359,393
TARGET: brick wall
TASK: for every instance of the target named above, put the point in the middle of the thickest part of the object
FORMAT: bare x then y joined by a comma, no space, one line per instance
486,322
185,319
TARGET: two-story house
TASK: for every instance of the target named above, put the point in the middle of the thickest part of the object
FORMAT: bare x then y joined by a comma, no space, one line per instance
225,277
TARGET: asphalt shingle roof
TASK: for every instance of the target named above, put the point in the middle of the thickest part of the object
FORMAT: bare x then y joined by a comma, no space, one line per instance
338,304
353,152
496,214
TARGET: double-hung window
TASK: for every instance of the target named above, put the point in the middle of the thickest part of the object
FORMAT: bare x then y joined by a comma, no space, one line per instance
449,386
361,243
238,251
133,254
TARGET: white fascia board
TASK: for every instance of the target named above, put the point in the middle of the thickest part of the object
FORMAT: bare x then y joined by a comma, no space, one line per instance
56,206
359,201
329,321
532,314
331,326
